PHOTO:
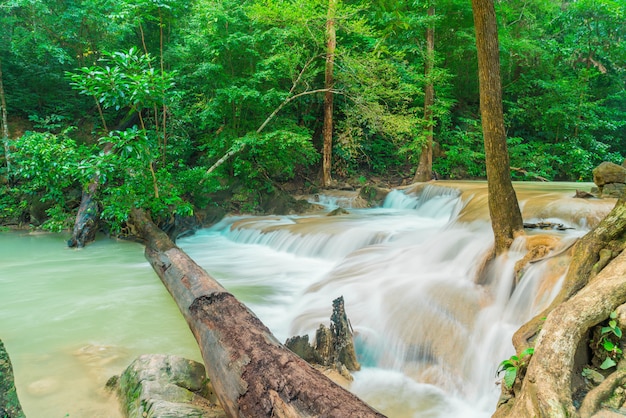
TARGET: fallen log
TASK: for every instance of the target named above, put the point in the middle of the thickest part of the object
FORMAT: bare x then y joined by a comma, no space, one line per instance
252,373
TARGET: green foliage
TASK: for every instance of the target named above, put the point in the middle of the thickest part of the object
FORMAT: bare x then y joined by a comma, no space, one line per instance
514,366
123,80
614,352
462,154
47,168
235,62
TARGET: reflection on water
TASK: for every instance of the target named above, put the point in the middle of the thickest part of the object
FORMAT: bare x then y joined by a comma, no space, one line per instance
429,337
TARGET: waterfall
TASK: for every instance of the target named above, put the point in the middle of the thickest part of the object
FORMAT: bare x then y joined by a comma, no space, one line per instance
428,332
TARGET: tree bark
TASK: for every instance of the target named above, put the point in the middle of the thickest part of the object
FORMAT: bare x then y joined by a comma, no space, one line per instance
609,234
252,373
327,132
5,125
591,290
506,218
547,387
425,167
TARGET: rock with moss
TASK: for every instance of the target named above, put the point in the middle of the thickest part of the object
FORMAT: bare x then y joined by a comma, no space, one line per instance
610,178
165,386
373,195
9,403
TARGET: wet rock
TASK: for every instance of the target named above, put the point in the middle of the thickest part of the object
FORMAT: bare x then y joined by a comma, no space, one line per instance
334,346
374,195
164,386
337,211
609,173
9,404
613,190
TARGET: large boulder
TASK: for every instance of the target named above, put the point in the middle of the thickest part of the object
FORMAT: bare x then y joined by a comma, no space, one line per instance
9,404
165,386
608,173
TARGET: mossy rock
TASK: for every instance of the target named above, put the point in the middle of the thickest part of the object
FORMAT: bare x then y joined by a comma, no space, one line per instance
9,403
163,386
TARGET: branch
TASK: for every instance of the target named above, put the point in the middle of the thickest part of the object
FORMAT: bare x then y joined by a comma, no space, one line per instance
290,97
238,148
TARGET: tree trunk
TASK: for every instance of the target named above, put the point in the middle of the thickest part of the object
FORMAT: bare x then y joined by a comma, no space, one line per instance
506,218
5,125
252,373
425,166
327,132
88,215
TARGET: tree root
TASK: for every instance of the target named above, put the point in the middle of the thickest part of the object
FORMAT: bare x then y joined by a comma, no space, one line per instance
610,233
594,399
547,387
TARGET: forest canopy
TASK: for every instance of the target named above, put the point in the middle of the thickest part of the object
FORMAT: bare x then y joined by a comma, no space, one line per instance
149,96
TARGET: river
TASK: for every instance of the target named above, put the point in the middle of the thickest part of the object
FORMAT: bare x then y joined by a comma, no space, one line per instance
429,337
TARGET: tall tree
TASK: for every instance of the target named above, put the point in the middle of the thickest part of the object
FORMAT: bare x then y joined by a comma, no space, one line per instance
506,218
331,44
5,125
425,167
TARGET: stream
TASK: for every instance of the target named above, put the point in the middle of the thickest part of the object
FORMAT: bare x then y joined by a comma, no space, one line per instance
431,326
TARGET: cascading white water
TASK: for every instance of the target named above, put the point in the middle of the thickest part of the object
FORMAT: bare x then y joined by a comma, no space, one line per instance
428,336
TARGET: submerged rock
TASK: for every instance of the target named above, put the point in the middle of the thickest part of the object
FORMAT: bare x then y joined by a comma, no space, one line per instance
164,386
9,404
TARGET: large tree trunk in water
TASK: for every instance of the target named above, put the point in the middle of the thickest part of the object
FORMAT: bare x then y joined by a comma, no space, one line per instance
252,373
327,132
589,294
506,218
425,166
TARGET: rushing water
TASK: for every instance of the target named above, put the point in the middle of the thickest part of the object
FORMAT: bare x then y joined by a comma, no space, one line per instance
429,337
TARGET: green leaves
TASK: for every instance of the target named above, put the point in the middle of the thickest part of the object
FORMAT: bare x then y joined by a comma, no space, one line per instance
123,80
512,366
610,342
612,327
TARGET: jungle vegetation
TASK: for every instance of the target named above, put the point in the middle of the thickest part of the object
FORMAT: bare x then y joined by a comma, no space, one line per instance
174,105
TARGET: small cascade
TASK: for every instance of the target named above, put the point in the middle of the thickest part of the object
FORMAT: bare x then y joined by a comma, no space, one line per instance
334,237
431,323
432,201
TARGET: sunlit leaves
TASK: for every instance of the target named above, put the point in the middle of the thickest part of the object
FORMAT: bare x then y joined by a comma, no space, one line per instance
123,80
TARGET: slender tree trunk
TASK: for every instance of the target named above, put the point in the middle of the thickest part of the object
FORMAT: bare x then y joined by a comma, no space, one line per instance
331,44
506,218
5,126
252,373
425,167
